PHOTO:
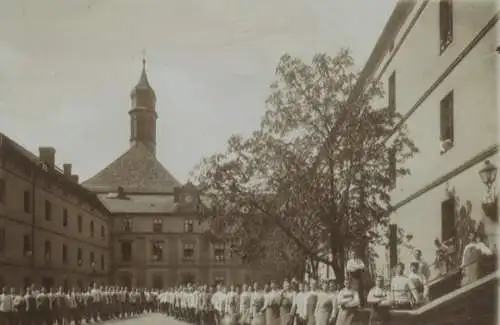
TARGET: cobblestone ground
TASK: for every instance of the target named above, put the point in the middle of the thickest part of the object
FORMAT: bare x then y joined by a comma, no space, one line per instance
149,319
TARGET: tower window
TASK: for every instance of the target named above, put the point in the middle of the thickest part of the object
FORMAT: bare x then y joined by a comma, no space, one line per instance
157,225
91,229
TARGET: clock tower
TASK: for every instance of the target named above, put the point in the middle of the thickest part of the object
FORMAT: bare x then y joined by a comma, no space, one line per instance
143,113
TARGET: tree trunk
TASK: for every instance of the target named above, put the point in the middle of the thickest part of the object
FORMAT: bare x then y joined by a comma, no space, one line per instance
338,263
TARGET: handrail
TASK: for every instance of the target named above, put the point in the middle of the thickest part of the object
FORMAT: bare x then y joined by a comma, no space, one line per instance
424,308
449,274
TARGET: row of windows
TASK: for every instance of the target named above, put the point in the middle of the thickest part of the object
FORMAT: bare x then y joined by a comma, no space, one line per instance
157,225
65,259
48,211
65,220
157,254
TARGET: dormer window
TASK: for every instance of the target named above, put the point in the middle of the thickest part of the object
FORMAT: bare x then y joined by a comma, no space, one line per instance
119,194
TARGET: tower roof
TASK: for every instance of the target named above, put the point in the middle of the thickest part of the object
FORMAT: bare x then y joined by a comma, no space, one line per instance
136,171
143,83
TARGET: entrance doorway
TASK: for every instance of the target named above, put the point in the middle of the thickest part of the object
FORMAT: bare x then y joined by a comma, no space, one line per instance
47,283
126,280
188,278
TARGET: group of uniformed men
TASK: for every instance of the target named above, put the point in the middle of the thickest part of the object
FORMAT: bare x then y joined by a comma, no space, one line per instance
37,306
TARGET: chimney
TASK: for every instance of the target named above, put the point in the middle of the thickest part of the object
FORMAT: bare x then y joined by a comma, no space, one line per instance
120,192
67,170
74,178
47,155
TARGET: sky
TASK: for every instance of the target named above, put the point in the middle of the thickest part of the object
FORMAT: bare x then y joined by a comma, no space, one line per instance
67,68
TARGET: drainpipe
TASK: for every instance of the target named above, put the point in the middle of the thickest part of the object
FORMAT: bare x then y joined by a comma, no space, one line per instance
33,220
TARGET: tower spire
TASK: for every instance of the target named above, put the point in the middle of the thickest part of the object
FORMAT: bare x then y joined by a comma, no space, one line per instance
143,113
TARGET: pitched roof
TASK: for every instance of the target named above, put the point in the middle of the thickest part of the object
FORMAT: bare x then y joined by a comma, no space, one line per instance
137,171
139,203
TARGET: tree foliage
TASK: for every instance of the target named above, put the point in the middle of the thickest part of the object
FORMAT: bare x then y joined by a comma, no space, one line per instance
265,184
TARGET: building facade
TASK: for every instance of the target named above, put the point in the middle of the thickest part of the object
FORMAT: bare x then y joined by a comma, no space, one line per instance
53,232
157,239
438,62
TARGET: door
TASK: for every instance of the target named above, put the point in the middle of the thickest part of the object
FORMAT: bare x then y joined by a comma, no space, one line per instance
47,283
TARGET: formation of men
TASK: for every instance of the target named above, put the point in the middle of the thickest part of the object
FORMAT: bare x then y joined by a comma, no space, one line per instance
36,306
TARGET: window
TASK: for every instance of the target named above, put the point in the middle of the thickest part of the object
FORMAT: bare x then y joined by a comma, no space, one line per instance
219,280
392,166
127,225
392,92
27,282
219,253
103,232
92,260
157,225
157,281
79,256
445,24
27,245
48,210
157,250
188,226
80,223
91,229
448,219
188,251
64,254
103,265
2,240
446,118
48,251
126,251
27,201
2,190
65,218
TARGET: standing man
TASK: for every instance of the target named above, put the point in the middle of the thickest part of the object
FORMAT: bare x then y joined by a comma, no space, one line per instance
355,271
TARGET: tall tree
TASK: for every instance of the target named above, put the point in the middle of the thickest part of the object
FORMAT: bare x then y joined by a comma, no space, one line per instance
267,178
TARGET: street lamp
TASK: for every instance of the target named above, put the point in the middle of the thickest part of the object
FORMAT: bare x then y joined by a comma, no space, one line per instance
488,175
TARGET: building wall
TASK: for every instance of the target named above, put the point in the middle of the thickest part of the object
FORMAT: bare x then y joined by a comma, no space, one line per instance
173,268
423,78
17,267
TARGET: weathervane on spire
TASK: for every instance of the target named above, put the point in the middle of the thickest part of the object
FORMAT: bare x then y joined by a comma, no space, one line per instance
144,58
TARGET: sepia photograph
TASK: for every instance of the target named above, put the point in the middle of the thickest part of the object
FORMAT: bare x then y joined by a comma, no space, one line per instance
249,162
